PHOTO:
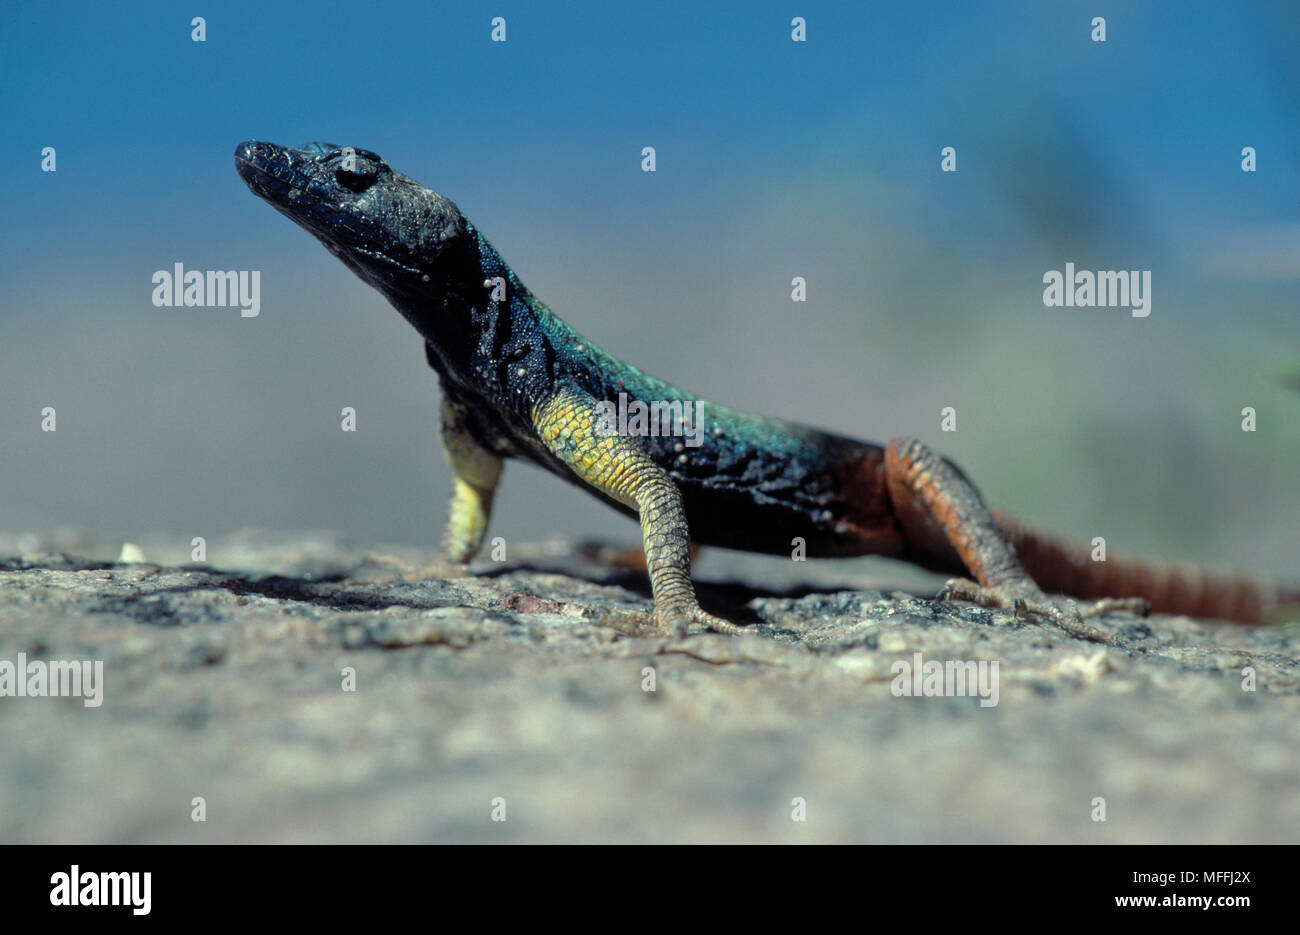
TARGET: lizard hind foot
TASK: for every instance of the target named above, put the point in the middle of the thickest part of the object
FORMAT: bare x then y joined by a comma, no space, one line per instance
677,621
1030,602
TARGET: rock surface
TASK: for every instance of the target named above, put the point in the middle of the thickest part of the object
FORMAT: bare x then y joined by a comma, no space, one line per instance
525,683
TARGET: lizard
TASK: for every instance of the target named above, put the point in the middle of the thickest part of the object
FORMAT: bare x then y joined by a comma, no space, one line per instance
520,383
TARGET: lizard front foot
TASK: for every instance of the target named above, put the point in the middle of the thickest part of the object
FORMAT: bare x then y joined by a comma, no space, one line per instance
383,566
675,621
445,566
1026,602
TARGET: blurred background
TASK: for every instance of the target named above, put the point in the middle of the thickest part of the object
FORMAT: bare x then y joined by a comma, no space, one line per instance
775,159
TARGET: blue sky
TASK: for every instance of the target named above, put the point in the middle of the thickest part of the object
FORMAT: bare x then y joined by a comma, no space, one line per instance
143,118
774,159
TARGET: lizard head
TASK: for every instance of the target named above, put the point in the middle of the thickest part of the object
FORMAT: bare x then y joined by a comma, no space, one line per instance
407,241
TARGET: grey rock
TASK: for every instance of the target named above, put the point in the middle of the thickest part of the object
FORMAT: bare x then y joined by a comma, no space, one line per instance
524,682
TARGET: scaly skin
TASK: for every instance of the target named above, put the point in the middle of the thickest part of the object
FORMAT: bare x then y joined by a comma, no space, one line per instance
520,383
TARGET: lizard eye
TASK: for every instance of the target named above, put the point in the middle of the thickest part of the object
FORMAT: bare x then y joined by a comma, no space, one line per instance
357,171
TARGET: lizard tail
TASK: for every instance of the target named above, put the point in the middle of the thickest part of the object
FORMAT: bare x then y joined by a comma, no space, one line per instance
1170,587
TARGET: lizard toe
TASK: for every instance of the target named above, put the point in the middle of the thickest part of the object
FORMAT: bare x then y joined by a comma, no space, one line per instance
1028,603
677,622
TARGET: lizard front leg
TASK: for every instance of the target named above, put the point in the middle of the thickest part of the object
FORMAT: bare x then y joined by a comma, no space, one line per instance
475,474
570,425
937,506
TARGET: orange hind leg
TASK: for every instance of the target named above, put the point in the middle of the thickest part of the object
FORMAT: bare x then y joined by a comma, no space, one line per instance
940,513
